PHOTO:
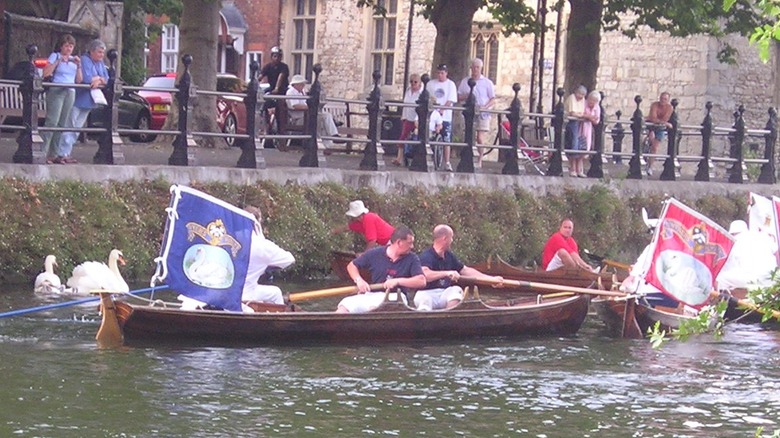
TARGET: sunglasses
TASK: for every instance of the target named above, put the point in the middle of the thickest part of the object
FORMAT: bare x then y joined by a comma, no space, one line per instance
414,82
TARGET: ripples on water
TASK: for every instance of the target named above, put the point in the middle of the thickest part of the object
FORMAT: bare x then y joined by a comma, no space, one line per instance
56,383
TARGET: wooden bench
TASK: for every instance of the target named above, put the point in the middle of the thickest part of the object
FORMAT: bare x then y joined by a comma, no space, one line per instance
11,103
343,114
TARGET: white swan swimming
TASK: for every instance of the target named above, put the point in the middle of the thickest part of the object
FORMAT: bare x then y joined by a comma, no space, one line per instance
47,282
90,276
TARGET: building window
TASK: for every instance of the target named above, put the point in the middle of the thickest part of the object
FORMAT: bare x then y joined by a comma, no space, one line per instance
304,23
383,50
484,45
170,48
252,56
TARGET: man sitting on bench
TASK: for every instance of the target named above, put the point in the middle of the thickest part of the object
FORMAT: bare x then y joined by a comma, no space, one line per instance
298,108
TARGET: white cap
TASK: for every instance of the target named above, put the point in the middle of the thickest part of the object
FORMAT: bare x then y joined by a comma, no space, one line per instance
297,79
738,226
356,208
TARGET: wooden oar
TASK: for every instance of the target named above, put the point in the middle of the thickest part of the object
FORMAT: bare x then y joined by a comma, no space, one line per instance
73,303
543,286
745,304
332,292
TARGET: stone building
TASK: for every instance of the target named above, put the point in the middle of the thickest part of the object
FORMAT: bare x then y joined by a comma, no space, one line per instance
351,42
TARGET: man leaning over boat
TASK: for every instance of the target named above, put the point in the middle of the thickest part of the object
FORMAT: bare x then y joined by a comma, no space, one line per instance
394,265
561,250
442,269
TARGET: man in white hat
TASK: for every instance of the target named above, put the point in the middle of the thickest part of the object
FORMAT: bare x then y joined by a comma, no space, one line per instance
298,108
374,229
751,260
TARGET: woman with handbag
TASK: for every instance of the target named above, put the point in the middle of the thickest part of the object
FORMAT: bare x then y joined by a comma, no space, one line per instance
94,73
63,68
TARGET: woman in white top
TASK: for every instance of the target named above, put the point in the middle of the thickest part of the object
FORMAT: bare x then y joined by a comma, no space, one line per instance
408,115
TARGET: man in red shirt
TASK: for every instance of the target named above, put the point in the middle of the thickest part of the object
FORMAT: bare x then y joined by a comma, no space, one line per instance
374,229
562,250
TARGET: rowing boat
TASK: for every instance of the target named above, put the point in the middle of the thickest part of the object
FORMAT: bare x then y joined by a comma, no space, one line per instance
564,276
562,314
628,318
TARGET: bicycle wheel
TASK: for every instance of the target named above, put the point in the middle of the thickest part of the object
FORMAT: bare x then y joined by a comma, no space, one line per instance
438,153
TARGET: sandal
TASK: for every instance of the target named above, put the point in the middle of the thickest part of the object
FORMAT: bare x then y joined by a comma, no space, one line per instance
396,162
58,160
70,160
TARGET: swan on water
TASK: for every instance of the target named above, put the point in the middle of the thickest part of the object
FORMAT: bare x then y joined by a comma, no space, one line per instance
47,282
90,276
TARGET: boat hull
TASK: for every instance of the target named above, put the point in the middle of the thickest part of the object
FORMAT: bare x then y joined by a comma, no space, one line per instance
391,323
627,319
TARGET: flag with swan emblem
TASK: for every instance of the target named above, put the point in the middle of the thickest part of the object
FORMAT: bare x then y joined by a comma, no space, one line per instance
205,250
690,250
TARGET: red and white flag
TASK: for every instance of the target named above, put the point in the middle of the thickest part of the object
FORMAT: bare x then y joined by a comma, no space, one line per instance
690,250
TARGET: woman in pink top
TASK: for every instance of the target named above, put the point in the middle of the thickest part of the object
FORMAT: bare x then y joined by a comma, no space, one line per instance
590,117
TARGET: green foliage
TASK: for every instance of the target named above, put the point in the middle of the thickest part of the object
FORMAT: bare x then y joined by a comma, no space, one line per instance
709,320
79,221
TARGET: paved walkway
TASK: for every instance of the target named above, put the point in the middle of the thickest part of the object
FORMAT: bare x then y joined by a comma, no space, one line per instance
150,161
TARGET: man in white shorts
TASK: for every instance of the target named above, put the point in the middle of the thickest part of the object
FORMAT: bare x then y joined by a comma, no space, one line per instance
442,269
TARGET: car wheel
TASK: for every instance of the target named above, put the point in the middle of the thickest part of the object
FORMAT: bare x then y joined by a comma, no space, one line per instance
230,128
143,122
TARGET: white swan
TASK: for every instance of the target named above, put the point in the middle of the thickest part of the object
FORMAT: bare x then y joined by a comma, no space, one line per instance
90,276
47,282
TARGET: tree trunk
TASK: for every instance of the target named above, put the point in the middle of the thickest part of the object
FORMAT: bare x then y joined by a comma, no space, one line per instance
198,37
583,42
452,19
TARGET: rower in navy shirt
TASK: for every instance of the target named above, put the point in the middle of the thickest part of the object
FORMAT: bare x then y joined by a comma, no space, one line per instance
394,265
442,269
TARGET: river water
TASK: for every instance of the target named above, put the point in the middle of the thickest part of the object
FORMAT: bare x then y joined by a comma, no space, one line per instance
57,383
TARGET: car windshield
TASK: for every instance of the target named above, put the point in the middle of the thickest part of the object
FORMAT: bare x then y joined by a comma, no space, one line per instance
160,82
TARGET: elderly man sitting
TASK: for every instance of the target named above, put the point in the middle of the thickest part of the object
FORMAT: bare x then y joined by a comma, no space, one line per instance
326,127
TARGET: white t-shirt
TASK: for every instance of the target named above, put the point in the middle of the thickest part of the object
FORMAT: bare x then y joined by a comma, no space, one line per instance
435,119
262,254
443,92
410,113
483,91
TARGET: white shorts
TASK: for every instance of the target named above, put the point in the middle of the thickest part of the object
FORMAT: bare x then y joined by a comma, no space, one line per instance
367,302
555,263
435,299
482,124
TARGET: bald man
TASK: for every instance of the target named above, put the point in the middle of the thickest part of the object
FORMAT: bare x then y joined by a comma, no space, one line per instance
442,269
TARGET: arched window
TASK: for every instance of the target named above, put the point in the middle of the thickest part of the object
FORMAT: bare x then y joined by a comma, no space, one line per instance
484,45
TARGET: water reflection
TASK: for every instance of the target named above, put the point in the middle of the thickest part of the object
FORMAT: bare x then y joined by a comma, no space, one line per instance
57,383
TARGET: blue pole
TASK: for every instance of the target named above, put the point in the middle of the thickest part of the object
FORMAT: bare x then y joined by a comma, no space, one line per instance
73,303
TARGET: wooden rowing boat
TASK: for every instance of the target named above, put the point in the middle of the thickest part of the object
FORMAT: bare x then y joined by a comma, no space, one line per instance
338,263
627,318
392,322
495,265
631,319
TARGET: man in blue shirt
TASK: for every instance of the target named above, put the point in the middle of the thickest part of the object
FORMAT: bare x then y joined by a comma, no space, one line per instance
442,269
394,265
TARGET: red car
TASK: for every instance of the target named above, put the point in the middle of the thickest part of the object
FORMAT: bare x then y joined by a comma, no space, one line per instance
231,111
